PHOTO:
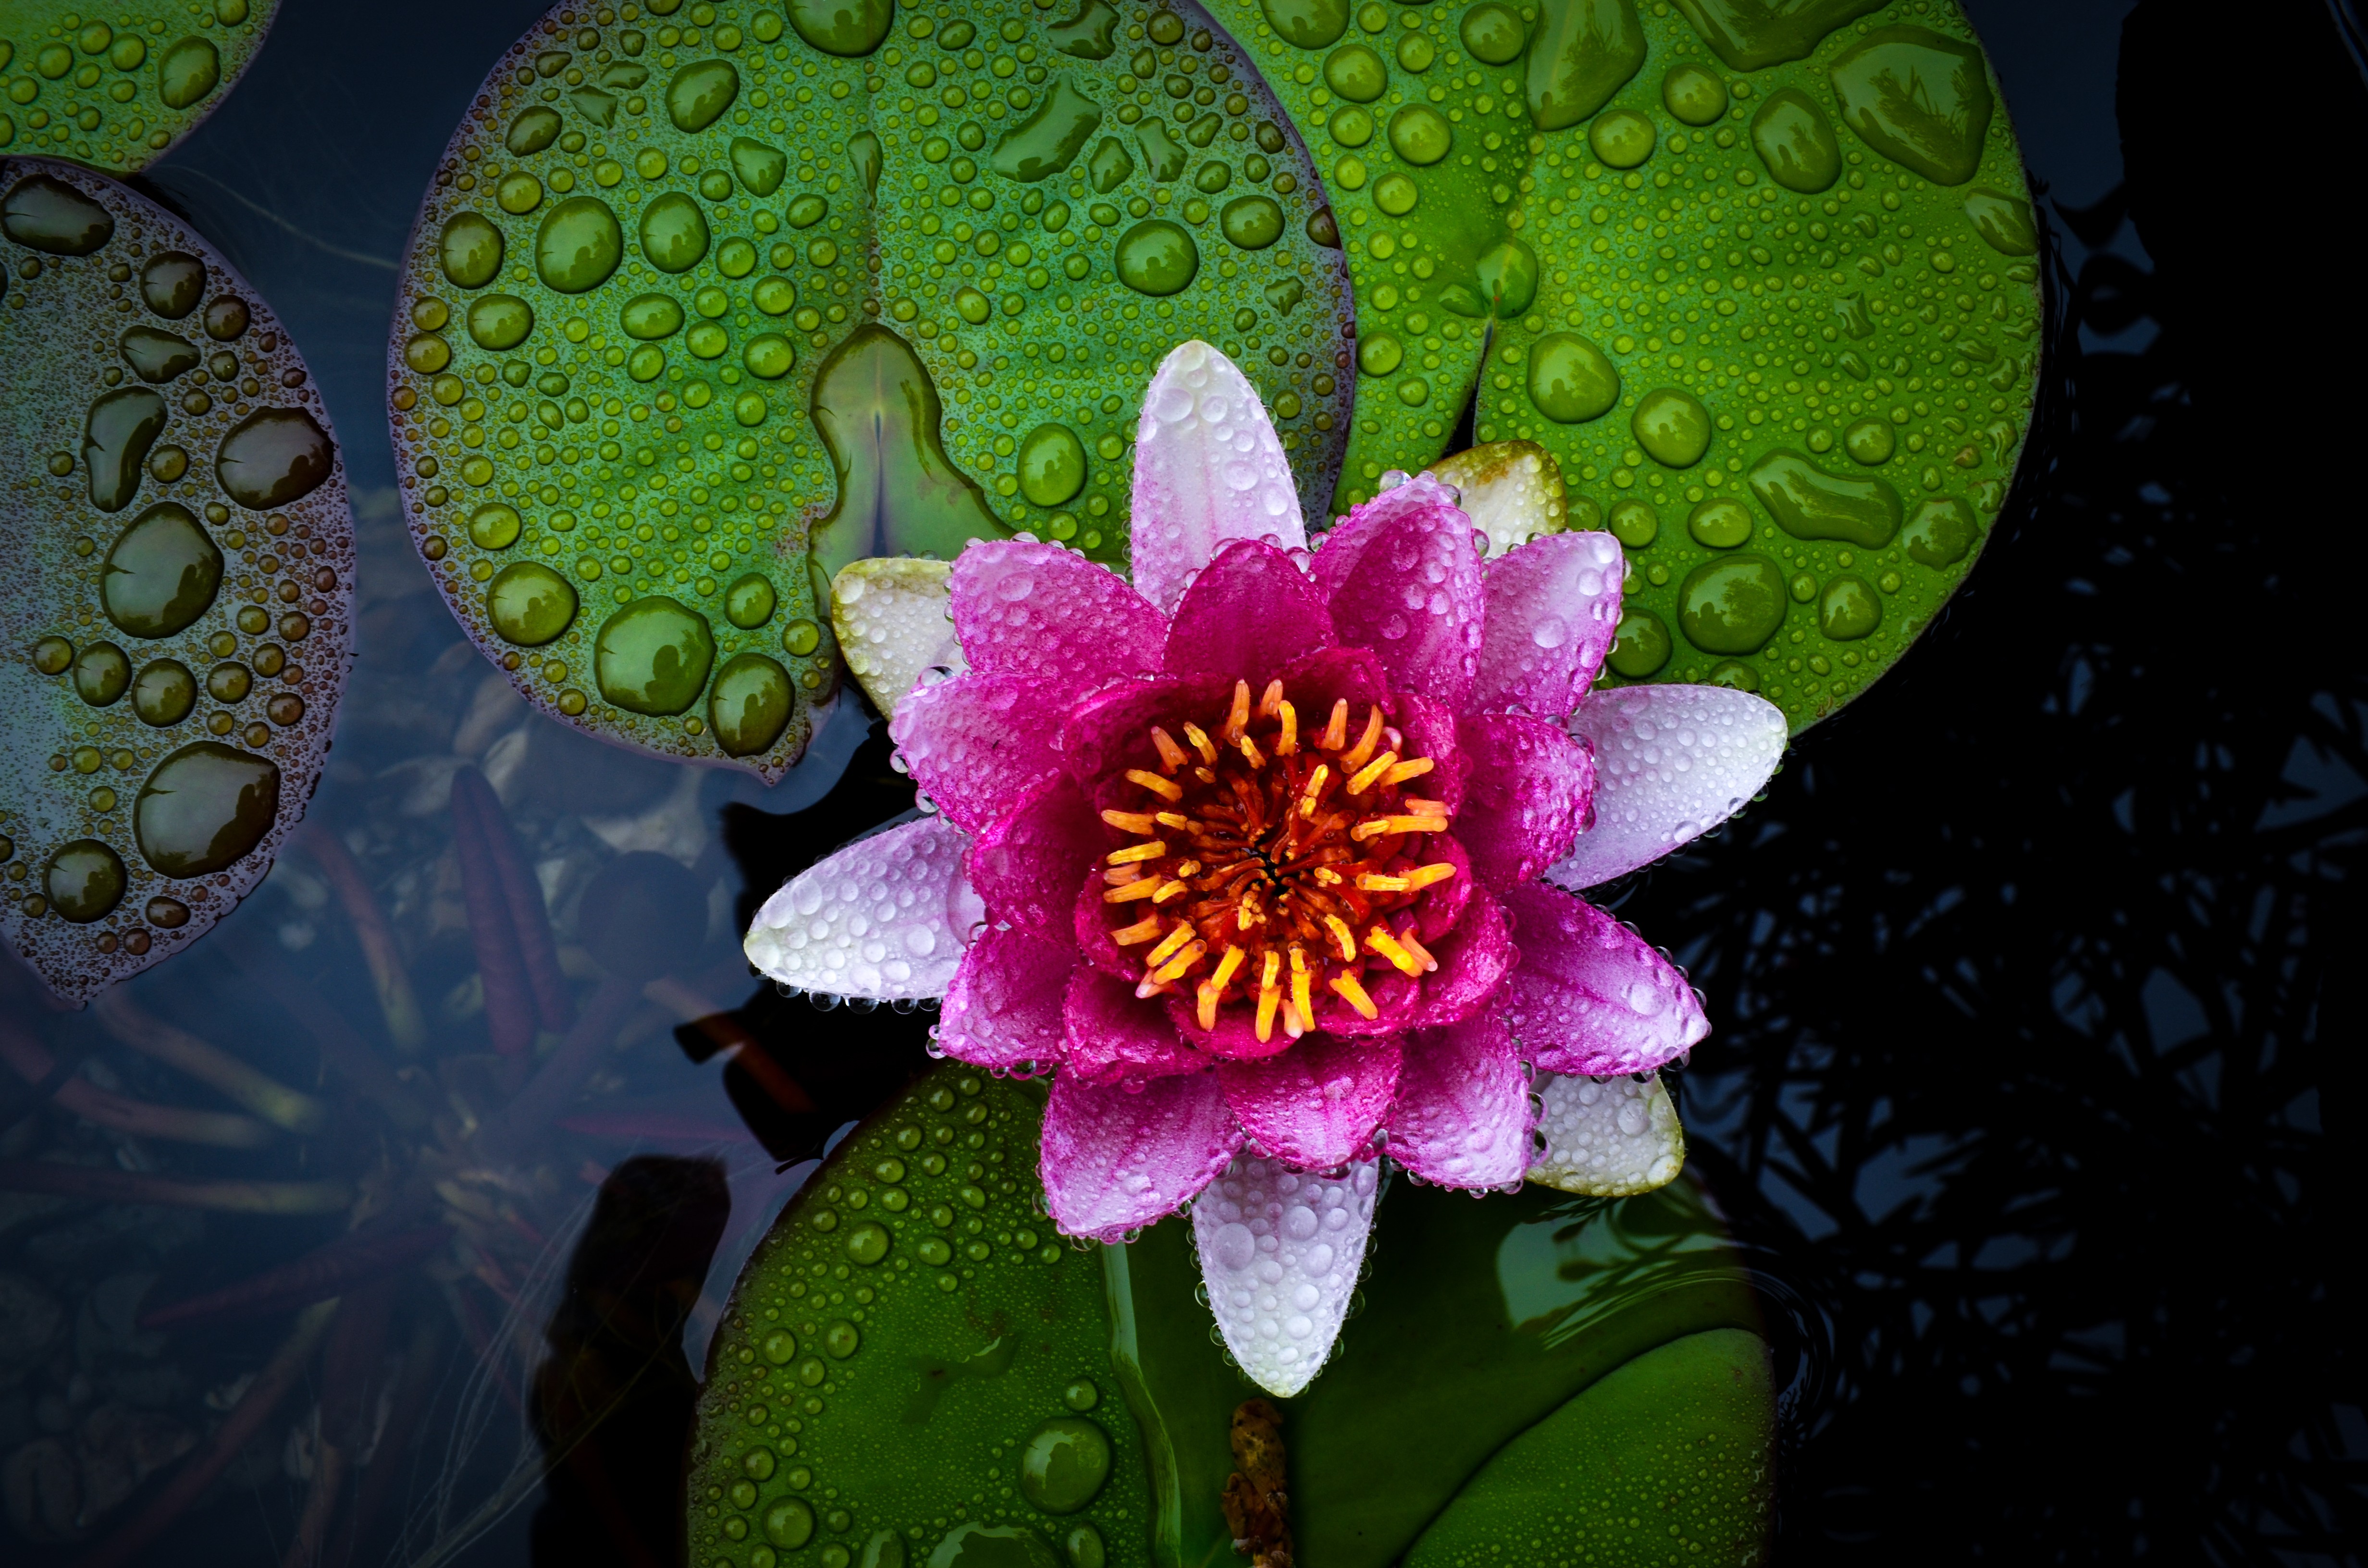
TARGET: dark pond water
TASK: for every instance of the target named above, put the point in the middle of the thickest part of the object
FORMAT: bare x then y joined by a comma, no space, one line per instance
2034,1091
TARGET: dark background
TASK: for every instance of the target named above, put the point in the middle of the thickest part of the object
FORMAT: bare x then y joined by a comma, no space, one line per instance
2035,1086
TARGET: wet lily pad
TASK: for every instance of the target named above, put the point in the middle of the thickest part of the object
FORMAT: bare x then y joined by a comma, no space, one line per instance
1743,216
914,1368
179,616
732,292
115,89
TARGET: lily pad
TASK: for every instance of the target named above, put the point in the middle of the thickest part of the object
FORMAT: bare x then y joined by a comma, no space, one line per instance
115,90
912,1367
1672,256
179,617
811,284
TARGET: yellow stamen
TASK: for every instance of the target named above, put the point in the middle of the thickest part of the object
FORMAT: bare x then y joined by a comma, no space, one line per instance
1118,876
1173,970
1129,892
1271,702
1422,877
1175,940
1170,819
1354,995
1227,967
1249,749
1342,935
1416,806
1354,758
1374,881
1269,996
1373,827
1336,733
1133,821
1168,890
1237,721
1299,983
1329,877
1207,997
1382,942
1413,768
1364,778
1151,851
1166,789
1294,1023
1316,781
1171,755
1201,743
1406,939
1142,930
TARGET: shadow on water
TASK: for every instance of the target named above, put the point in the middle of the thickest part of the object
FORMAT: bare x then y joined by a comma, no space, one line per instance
2028,1039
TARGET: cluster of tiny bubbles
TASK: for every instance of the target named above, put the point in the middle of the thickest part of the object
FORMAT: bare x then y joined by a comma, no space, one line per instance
113,96
1781,332
709,301
183,602
885,1285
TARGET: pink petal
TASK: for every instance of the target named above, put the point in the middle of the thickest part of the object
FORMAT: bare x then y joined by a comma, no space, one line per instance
1554,606
1109,731
1404,580
1091,927
1528,795
1004,1007
1039,610
977,744
1441,905
1235,1037
1114,1039
1462,1115
1430,731
1028,865
1318,1104
1472,961
1333,674
1671,762
886,917
1116,1159
1207,469
1280,1251
1249,613
1590,995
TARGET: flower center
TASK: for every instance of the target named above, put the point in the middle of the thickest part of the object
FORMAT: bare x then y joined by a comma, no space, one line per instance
1275,865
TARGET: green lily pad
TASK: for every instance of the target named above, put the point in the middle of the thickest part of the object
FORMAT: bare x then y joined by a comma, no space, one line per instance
1750,215
910,1364
179,616
723,291
116,89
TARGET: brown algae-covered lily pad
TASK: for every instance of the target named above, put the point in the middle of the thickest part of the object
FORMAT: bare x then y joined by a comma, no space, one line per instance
177,613
115,87
709,301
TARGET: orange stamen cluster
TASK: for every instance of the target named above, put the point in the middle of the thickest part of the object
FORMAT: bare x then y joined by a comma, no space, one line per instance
1275,868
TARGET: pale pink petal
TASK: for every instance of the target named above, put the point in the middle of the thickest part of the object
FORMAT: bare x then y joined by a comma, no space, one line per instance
1590,995
1318,1104
1116,1159
1462,1112
1026,866
1208,469
978,744
1111,732
1554,606
1531,785
1039,610
885,918
1671,762
1404,579
1114,1039
1607,1137
1004,1004
1248,614
1280,1251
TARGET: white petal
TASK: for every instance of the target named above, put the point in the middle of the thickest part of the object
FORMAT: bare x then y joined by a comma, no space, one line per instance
1607,1137
1671,762
890,617
1208,469
1512,492
1281,1250
885,918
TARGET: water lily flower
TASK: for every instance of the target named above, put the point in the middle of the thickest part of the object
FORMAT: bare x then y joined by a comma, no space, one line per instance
1270,857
